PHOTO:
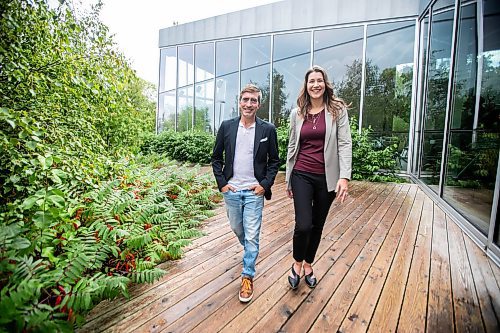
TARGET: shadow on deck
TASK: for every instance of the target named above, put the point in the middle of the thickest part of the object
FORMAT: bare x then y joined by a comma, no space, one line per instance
390,259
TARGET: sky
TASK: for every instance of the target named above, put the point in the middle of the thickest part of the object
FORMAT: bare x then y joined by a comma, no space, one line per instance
136,24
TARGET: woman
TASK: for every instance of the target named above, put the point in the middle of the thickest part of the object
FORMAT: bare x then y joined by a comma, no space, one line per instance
318,166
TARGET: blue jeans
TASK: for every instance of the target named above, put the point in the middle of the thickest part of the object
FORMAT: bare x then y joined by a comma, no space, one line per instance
244,211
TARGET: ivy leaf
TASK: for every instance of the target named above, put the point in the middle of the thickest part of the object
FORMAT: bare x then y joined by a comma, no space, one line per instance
31,145
42,219
59,173
29,202
11,123
57,200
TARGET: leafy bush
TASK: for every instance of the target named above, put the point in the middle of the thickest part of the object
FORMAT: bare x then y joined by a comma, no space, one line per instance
189,146
77,222
368,162
283,135
74,253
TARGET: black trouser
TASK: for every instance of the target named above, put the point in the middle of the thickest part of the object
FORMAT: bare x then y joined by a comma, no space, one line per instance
312,202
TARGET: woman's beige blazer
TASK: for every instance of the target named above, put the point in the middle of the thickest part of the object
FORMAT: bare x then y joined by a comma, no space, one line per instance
338,147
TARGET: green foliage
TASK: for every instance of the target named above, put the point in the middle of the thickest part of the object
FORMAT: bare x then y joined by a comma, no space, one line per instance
368,162
189,146
73,254
474,166
78,222
283,132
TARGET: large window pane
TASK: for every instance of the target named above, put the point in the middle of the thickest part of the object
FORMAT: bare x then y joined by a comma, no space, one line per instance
226,98
255,60
292,54
204,106
227,57
168,69
340,53
204,87
184,108
204,62
435,103
166,111
389,74
463,181
185,66
489,109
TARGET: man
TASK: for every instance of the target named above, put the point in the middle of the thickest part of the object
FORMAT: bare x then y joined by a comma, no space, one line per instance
245,162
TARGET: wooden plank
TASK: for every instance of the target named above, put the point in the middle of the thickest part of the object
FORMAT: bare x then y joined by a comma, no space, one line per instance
210,292
223,255
217,233
168,308
340,254
413,312
386,314
496,272
331,316
466,305
440,305
354,287
486,288
226,313
362,309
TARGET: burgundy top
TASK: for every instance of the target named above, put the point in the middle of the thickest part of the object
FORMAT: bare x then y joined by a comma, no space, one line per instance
311,156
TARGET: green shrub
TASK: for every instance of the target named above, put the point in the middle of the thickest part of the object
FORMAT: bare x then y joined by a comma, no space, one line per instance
370,163
283,135
71,254
189,146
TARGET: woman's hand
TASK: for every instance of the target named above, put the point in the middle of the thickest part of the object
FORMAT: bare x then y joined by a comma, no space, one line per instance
289,193
341,189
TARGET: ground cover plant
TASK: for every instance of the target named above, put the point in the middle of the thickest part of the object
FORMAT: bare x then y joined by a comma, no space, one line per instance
82,215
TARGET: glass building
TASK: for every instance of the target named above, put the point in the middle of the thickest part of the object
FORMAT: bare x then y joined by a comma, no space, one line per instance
424,75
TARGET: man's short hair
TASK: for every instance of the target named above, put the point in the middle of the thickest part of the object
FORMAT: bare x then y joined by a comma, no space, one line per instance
251,88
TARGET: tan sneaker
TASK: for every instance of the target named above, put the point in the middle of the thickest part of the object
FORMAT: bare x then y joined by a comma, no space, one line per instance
246,289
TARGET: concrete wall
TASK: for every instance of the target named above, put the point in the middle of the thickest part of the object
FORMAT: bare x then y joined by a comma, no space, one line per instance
286,15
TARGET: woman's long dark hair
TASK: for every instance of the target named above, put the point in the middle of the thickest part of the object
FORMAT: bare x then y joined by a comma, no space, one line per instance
334,104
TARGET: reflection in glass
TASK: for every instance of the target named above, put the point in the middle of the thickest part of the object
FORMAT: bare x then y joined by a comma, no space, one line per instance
340,52
435,102
422,63
227,57
168,69
166,111
292,54
185,66
204,87
226,98
462,183
204,62
488,122
185,108
204,106
255,59
389,74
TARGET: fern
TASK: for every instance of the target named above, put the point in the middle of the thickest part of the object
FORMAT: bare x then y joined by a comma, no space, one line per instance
146,276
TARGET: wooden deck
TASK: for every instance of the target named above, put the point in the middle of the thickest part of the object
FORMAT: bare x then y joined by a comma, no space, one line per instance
390,260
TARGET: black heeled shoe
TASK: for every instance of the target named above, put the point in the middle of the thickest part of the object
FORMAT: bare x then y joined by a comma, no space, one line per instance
311,280
294,281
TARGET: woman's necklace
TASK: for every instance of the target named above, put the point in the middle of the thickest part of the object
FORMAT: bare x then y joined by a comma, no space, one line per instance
313,118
